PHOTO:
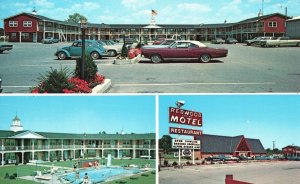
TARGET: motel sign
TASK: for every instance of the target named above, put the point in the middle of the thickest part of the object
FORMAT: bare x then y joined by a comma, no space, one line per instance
185,117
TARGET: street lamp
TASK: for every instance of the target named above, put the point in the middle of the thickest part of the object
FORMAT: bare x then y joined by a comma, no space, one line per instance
83,26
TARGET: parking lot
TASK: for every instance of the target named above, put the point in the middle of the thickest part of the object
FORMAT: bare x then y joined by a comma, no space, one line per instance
245,70
279,172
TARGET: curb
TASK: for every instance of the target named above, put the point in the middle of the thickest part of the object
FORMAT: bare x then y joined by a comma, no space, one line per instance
102,88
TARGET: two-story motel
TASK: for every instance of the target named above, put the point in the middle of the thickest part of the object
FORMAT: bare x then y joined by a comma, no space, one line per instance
22,146
30,27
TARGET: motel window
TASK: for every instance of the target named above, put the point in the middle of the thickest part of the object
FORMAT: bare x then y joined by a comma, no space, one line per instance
27,23
26,36
13,23
13,35
273,24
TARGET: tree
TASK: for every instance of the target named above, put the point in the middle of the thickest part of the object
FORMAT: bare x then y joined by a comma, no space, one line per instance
165,143
103,132
75,18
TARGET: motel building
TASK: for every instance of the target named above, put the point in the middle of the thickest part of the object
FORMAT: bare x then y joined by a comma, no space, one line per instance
22,146
291,151
215,145
31,27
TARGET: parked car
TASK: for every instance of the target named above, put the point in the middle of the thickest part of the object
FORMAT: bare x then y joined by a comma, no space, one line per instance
184,50
95,50
111,48
258,42
280,41
218,41
5,48
50,40
231,41
253,40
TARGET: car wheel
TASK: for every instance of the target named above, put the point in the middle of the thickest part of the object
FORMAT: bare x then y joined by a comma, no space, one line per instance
95,55
155,58
298,44
205,58
112,53
61,56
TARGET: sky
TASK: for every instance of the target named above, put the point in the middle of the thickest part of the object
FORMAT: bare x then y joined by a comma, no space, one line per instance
265,117
80,114
139,11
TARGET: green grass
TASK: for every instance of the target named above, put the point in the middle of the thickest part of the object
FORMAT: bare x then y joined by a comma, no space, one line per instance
138,179
22,170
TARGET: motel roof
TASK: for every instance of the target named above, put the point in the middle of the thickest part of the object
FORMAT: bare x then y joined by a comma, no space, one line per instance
52,135
226,144
258,18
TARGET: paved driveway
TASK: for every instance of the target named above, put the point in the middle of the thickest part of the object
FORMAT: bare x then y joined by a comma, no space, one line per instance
257,173
245,70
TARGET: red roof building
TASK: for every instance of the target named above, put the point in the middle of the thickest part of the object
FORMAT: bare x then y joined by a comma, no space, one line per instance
27,27
291,151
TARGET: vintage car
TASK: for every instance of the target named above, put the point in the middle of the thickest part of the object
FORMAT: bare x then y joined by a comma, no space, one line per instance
111,48
218,41
280,41
184,50
50,40
231,41
253,40
5,48
93,48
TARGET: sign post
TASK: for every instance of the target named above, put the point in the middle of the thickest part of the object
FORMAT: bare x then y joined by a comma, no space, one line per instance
189,118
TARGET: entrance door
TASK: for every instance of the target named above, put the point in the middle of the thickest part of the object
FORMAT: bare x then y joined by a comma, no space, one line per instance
34,37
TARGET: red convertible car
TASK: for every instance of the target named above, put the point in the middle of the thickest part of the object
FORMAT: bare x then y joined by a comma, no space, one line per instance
185,50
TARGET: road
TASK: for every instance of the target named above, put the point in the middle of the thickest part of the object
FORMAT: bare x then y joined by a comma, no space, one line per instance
258,173
245,70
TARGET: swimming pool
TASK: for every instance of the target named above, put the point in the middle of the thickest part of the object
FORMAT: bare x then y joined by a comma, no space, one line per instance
99,175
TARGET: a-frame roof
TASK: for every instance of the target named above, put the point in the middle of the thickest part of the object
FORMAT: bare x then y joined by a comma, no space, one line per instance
226,144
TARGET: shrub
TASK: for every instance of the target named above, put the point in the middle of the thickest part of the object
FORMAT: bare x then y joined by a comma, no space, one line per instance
15,175
90,68
12,177
6,176
53,82
188,163
174,164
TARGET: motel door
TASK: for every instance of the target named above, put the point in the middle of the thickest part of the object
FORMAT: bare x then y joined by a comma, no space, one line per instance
34,38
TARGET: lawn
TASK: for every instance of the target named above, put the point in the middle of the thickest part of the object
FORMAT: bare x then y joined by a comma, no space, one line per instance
149,178
21,170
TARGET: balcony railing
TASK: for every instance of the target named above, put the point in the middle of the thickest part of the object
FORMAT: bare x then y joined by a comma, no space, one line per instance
51,147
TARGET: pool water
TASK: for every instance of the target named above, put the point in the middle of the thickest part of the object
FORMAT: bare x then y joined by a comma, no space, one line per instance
99,175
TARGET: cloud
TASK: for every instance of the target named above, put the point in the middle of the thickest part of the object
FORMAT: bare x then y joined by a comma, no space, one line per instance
136,4
194,7
42,3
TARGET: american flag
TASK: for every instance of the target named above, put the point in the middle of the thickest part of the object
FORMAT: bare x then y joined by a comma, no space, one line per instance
153,12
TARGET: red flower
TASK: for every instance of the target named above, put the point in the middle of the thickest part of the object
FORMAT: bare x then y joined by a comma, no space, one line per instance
68,91
36,90
81,86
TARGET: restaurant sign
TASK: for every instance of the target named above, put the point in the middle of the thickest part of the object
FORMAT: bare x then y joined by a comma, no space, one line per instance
184,131
185,117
